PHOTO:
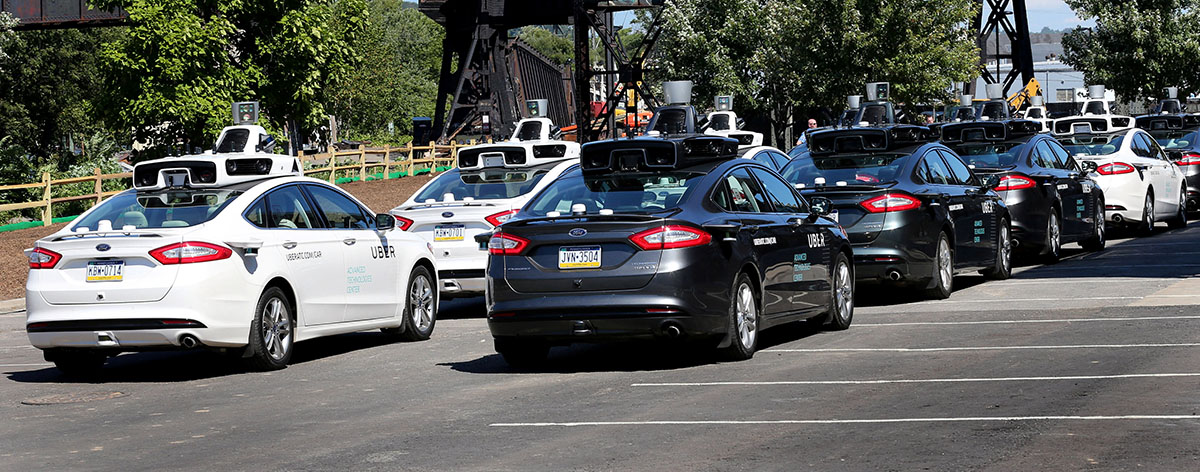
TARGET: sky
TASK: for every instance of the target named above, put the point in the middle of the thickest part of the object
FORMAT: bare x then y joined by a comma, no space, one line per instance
1054,14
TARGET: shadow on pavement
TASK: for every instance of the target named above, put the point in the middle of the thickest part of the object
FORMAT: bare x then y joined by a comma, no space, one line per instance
631,356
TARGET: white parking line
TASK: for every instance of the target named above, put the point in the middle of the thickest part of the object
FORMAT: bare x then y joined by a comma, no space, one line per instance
916,381
983,348
1060,320
851,421
1076,280
1106,267
27,365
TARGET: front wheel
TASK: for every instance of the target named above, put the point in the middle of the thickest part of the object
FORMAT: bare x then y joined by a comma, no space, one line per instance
743,320
1180,219
272,332
1002,268
943,270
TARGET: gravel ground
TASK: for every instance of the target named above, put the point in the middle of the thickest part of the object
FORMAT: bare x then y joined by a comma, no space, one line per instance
380,196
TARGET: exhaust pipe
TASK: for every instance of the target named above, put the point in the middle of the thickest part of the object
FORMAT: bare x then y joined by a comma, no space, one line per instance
672,330
189,341
894,275
1117,218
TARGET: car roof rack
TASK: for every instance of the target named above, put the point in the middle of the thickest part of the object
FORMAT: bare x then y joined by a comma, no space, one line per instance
878,139
648,154
983,131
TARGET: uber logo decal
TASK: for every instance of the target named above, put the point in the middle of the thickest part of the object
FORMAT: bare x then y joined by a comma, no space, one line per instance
383,252
988,206
955,207
816,240
762,241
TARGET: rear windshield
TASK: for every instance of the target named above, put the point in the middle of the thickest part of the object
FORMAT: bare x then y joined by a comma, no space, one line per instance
849,168
1176,138
482,184
990,154
1093,144
166,209
621,193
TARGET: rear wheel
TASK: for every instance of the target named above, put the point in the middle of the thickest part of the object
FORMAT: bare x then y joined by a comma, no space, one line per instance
272,332
1099,239
743,320
943,270
1180,218
420,309
1052,247
521,353
77,364
1146,227
842,310
1002,268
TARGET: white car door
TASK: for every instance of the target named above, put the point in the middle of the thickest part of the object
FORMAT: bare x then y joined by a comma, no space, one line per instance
309,252
370,280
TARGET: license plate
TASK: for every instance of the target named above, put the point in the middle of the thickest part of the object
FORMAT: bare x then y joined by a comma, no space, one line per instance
105,271
448,233
587,257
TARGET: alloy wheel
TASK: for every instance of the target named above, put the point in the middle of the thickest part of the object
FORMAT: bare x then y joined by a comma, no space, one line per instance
845,291
420,297
747,316
945,270
276,329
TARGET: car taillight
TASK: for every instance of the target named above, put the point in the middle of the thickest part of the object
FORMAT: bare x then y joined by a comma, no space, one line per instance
1114,168
1014,182
43,258
506,245
499,218
891,202
1189,159
189,252
402,223
670,237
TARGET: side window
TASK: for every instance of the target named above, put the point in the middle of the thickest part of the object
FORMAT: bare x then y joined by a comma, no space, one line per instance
1155,150
290,210
764,158
780,160
1140,146
1061,157
744,193
1042,156
936,170
339,210
962,174
257,213
781,194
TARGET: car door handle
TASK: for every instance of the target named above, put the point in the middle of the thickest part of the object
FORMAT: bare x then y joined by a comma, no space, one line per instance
289,244
350,241
795,222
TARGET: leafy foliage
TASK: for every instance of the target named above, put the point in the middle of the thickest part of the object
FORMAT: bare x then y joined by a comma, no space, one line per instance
1137,46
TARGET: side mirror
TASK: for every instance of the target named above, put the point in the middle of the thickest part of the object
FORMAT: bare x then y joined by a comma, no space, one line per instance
1089,166
821,206
990,182
385,222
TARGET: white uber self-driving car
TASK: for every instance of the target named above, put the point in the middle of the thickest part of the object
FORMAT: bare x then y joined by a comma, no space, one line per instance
232,251
490,184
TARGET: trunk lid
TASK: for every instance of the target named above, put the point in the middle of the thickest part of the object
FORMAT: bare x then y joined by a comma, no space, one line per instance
861,226
451,227
141,278
560,255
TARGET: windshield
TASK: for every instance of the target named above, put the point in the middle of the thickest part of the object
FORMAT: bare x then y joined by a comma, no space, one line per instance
621,193
990,154
492,184
849,168
1092,145
1176,138
165,209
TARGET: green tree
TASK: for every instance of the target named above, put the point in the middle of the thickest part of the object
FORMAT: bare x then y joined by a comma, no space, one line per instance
1137,46
185,61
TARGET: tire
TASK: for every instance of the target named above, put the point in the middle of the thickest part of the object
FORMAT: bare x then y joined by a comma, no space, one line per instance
1002,268
1146,227
744,320
1099,237
1180,219
77,364
272,333
943,270
1052,245
420,307
841,310
521,353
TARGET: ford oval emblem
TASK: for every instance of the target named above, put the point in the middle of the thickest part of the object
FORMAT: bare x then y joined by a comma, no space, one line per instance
577,232
103,247
447,214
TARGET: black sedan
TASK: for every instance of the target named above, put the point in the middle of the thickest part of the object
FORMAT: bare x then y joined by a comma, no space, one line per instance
1050,197
914,212
1179,136
664,238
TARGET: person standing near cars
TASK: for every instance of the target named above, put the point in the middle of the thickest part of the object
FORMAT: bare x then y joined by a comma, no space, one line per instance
812,124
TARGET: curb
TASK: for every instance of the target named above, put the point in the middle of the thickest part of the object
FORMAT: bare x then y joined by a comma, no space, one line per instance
12,306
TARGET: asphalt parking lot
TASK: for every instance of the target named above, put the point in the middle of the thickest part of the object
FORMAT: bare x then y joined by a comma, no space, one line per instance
1092,363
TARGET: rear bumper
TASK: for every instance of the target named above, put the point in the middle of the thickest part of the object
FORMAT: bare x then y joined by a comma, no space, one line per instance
1124,197
1193,188
1027,210
900,253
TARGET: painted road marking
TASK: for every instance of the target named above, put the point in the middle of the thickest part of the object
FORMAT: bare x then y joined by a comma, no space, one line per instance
983,348
852,421
27,365
915,381
1061,320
